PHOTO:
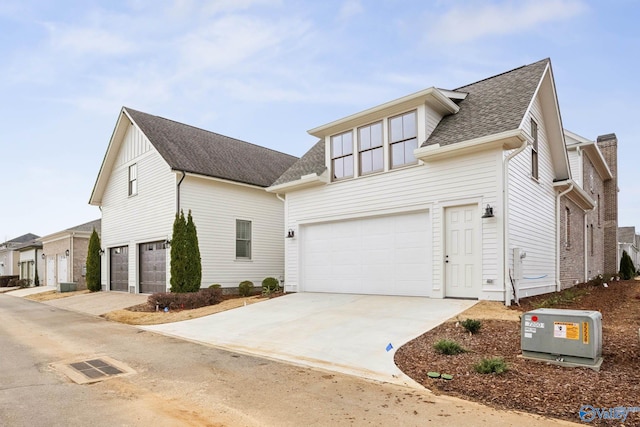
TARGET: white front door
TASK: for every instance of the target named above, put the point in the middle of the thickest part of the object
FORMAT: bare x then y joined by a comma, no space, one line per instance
51,271
62,269
462,253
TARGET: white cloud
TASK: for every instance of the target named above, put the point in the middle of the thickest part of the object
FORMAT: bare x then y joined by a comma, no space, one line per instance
468,23
349,9
87,40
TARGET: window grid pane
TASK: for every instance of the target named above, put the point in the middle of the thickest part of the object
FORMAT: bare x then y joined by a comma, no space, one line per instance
403,139
243,239
370,143
342,155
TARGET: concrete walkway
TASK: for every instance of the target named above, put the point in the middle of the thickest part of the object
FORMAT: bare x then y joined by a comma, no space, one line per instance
23,292
352,334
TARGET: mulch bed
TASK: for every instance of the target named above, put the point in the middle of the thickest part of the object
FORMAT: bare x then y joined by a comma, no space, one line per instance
536,387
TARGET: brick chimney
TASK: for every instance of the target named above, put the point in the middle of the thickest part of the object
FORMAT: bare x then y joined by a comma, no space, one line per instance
608,145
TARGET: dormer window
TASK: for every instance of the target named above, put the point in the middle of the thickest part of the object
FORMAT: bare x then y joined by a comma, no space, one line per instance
370,148
342,155
403,139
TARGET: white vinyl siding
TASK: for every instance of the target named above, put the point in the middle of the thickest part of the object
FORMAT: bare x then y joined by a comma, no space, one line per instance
470,178
532,210
215,207
128,221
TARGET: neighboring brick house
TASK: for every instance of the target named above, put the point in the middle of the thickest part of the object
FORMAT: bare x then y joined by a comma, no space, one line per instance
65,255
629,241
608,145
585,237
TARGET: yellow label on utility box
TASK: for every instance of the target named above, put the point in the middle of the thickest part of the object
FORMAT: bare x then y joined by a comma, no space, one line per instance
566,330
585,332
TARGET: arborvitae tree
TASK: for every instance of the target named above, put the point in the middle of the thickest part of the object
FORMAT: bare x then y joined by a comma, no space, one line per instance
193,277
178,254
627,269
93,263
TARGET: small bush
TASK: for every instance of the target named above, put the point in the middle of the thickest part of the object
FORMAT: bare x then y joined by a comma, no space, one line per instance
215,286
627,269
270,285
471,325
448,347
13,282
185,300
245,288
492,365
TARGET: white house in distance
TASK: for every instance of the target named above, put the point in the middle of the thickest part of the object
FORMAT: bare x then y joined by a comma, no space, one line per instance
10,257
441,193
155,167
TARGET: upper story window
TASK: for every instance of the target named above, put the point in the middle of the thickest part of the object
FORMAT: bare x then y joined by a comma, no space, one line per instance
370,148
133,179
403,139
342,155
534,149
567,229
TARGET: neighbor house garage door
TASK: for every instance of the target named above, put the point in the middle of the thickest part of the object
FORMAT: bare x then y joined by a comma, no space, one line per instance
153,267
388,255
119,269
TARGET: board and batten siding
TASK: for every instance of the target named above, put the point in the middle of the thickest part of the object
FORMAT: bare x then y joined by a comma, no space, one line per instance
144,217
433,186
575,164
532,211
215,205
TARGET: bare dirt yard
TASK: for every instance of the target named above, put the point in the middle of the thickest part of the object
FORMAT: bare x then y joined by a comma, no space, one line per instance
531,386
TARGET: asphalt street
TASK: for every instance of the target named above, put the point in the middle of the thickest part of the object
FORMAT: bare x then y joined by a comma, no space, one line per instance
181,383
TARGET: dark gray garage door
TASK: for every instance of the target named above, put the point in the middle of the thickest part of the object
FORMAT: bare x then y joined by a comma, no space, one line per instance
119,269
153,267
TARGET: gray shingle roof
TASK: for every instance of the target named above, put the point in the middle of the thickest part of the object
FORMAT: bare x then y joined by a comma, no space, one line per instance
190,149
627,234
88,227
19,240
311,162
493,105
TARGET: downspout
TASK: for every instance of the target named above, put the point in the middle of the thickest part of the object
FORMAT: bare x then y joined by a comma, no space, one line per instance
586,250
505,229
71,259
184,174
558,284
286,223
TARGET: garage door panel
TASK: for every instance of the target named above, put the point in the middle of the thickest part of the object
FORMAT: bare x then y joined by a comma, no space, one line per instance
153,267
382,255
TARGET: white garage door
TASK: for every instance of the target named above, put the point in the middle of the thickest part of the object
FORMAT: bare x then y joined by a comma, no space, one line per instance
388,255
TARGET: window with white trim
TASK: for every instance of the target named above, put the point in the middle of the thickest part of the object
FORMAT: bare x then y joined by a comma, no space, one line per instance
243,239
403,139
567,229
133,179
342,155
370,148
534,149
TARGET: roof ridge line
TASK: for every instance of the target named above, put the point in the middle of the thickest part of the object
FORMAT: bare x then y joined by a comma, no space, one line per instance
209,131
501,74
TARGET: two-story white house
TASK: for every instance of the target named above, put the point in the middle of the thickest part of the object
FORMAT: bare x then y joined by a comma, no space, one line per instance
155,167
441,193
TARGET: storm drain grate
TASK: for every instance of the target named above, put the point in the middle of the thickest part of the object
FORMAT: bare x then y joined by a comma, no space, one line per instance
95,368
92,370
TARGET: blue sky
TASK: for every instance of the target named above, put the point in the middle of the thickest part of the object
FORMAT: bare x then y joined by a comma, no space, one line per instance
266,71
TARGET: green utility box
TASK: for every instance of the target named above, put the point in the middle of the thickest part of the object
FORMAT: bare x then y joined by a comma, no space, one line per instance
68,287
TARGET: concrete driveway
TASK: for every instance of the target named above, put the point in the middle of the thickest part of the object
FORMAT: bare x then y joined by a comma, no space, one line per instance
352,334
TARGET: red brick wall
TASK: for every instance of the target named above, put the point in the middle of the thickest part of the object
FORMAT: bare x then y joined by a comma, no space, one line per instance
608,145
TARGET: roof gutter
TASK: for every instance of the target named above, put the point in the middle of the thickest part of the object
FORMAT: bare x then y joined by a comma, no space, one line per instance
508,295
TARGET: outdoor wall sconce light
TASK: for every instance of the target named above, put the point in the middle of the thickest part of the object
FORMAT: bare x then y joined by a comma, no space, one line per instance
291,234
167,242
42,256
66,252
101,251
488,212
